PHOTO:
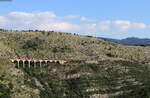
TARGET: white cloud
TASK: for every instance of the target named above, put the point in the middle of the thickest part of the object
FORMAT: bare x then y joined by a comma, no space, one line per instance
3,21
32,15
126,25
58,26
122,25
140,26
21,15
72,16
104,25
82,18
46,14
50,21
122,22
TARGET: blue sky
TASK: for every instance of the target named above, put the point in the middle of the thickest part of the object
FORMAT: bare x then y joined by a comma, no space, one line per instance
101,18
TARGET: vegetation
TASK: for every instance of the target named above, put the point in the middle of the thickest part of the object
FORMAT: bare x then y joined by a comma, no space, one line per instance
96,68
40,44
78,79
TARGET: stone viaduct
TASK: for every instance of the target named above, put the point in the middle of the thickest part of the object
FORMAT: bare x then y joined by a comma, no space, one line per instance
35,61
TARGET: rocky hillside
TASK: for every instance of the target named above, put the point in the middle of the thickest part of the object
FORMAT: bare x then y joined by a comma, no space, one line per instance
76,79
41,44
96,68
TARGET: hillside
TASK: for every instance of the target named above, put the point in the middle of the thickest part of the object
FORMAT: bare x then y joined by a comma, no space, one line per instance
96,67
57,45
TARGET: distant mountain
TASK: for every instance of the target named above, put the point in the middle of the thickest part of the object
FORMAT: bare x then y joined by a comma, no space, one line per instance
131,41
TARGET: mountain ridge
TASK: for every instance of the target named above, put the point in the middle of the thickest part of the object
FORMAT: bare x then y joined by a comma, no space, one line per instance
131,41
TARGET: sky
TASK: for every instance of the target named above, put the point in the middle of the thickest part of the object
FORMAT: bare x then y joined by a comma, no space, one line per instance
101,18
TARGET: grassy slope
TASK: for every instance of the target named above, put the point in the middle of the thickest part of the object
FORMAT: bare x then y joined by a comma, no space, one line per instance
68,46
75,78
